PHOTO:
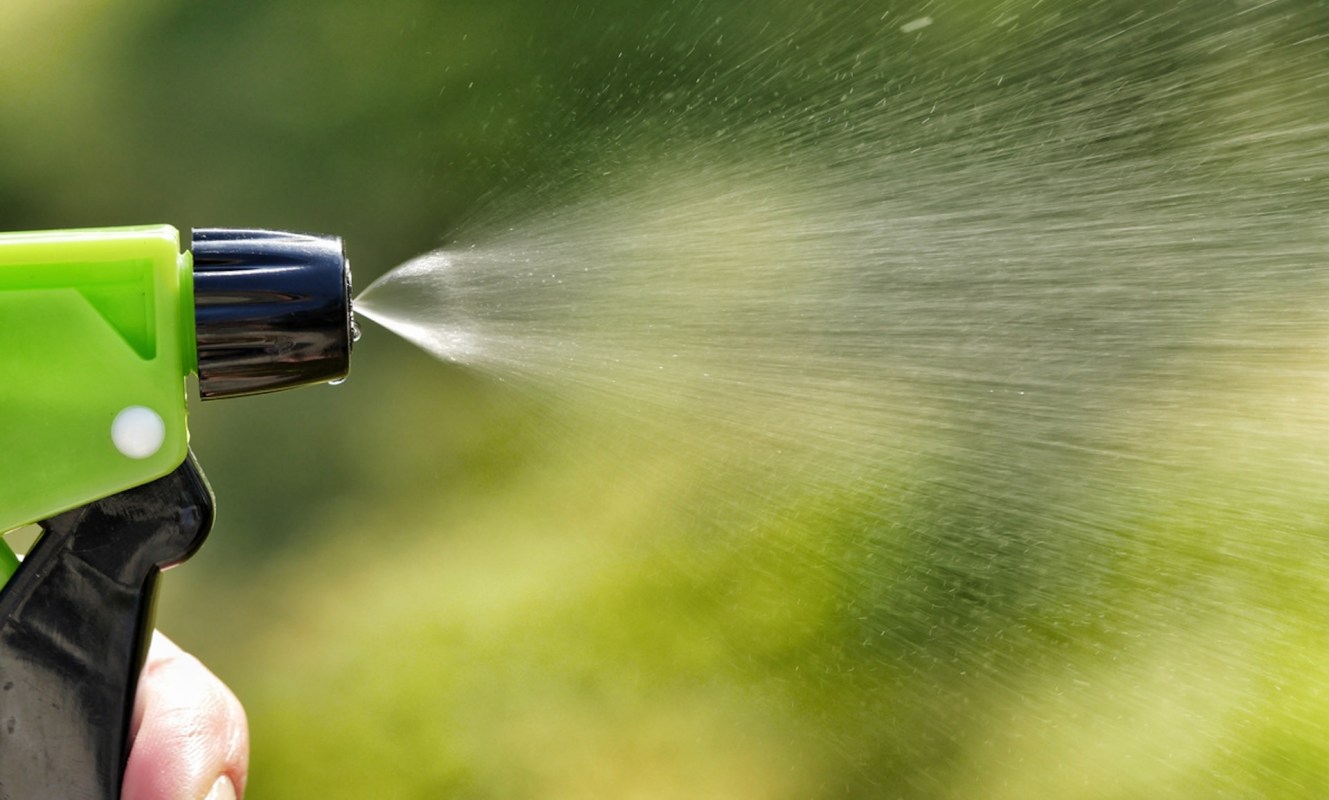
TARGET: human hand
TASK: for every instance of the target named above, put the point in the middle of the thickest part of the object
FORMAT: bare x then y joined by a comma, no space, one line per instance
190,738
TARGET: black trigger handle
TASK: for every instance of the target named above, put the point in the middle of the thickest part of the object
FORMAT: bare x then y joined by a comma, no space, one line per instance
75,624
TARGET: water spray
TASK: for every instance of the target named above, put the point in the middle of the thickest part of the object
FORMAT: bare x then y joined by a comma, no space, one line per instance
101,329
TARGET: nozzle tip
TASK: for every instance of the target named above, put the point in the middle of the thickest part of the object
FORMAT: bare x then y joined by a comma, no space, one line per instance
272,310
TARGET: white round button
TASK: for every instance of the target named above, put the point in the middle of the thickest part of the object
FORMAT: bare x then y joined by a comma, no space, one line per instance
138,432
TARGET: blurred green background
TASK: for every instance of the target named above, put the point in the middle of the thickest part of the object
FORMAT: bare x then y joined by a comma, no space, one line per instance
429,582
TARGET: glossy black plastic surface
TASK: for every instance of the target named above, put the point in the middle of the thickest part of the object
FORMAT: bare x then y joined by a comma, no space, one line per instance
75,622
272,310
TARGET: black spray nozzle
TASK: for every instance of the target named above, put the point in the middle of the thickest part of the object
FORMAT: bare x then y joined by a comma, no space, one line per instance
272,310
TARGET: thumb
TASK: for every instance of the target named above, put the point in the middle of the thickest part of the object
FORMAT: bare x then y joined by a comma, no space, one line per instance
190,737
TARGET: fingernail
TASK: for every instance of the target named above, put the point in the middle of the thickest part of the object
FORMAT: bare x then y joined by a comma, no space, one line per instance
223,789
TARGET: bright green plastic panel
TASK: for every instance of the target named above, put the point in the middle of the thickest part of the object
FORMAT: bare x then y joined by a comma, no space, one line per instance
92,322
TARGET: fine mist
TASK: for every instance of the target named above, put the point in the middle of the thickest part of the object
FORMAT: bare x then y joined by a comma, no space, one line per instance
992,349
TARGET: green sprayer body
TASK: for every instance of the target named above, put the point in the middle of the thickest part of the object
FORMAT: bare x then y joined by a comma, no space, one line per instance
92,323
100,328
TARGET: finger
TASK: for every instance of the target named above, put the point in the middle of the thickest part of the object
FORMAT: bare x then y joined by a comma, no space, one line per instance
189,733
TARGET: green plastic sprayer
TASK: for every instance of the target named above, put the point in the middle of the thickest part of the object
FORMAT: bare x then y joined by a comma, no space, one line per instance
100,330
